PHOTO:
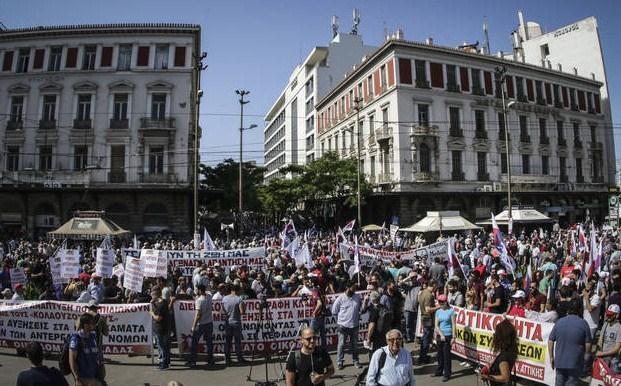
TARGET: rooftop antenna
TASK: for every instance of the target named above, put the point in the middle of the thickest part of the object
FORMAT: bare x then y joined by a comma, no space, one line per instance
335,26
356,18
3,27
485,31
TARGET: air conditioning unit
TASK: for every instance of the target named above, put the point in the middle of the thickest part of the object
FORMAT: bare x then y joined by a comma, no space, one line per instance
488,188
496,187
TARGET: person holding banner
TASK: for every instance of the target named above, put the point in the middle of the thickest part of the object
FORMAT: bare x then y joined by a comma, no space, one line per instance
505,344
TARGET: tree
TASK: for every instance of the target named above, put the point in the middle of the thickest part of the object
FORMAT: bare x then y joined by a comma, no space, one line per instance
220,186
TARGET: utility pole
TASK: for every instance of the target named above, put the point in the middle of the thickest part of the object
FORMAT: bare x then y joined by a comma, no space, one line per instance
501,76
197,68
357,107
242,102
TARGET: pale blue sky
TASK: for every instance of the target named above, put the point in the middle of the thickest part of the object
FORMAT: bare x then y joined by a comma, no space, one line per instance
255,44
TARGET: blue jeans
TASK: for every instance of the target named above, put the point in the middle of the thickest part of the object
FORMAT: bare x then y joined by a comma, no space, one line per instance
232,330
318,325
444,357
425,343
163,346
206,331
352,334
410,325
567,377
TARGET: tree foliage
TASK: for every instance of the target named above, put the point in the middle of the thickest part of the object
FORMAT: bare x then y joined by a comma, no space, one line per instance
220,186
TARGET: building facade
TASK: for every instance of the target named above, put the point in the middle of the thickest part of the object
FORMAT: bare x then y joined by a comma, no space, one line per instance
97,117
289,133
432,133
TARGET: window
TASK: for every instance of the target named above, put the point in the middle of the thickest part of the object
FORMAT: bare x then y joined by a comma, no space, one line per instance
543,131
557,95
125,57
310,105
359,90
161,56
143,56
372,166
106,56
158,107
156,160
593,134
421,72
545,51
519,87
310,124
23,59
56,53
579,175
45,158
475,73
481,164
437,75
342,106
545,165
343,143
560,131
336,142
84,107
371,125
525,164
80,156
503,163
383,80
451,76
370,85
539,91
49,108
309,88
501,126
179,56
385,117
88,61
72,57
576,130
454,124
524,128
17,109
7,62
12,158
456,163
120,107
423,115
479,124
425,158
562,162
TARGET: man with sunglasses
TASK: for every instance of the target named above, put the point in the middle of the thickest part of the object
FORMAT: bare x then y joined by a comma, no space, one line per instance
391,365
311,365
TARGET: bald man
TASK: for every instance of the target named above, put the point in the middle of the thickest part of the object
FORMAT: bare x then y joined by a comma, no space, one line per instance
310,366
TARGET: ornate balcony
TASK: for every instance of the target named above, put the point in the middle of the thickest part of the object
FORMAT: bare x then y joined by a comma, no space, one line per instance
385,178
424,131
119,124
14,125
82,124
46,124
478,91
157,123
452,87
458,176
383,134
422,84
482,176
116,177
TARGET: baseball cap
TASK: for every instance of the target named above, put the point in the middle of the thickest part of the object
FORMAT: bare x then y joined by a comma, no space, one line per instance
519,294
613,309
442,298
19,286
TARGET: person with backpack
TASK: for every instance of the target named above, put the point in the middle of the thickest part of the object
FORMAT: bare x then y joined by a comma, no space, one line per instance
391,365
39,374
311,365
380,320
85,359
101,326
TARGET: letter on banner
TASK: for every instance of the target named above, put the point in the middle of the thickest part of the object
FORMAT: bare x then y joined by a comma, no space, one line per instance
155,263
133,274
17,277
104,262
69,263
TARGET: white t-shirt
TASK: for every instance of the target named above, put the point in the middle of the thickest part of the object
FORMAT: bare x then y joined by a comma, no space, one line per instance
592,318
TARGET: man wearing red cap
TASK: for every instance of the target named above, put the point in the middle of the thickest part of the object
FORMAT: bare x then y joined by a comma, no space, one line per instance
19,292
609,342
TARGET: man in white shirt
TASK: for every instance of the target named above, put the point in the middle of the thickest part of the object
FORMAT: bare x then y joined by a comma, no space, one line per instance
391,365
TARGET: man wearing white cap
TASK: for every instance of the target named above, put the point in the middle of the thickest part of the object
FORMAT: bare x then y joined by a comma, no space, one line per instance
609,342
517,308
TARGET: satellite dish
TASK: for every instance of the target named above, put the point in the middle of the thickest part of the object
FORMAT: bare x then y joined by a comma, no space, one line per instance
356,18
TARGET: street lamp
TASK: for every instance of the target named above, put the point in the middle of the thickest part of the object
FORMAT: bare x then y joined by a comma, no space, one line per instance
501,78
196,79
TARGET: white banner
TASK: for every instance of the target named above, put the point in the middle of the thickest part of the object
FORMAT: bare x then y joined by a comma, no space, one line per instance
475,331
118,271
69,263
155,263
17,277
187,261
280,325
104,262
55,269
133,274
50,322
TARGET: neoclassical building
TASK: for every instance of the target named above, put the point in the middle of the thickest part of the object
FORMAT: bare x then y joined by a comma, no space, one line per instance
97,117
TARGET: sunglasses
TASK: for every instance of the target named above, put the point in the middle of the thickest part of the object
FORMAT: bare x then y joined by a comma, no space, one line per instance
310,338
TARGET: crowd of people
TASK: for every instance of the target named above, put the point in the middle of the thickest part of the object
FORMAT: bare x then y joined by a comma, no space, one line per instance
558,275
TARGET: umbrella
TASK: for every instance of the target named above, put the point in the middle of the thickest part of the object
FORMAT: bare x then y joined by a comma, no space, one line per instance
441,222
88,225
372,228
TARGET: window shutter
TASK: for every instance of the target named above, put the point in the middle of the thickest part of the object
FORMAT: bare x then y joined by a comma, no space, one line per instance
376,83
7,64
548,93
489,87
72,57
509,84
565,97
365,91
143,56
437,77
106,57
179,56
581,100
391,72
530,90
598,108
463,79
38,58
405,71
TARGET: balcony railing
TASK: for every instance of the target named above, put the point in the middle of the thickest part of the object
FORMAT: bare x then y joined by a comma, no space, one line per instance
577,143
482,176
384,133
564,178
372,139
385,178
116,177
82,124
591,110
522,98
574,107
598,179
480,134
119,124
501,135
453,87
478,91
15,125
164,178
596,145
562,142
424,131
422,83
558,104
457,176
45,124
426,177
157,123
541,101
544,140
456,132
580,179
525,138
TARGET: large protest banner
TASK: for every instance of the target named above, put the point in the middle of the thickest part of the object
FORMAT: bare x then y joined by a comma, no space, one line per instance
69,263
473,340
371,256
50,322
104,262
187,261
280,327
603,375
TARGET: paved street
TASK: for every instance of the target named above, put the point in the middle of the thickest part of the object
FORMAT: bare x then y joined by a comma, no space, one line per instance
138,371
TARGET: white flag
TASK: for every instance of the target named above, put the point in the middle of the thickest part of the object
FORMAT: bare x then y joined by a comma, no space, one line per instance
208,243
356,255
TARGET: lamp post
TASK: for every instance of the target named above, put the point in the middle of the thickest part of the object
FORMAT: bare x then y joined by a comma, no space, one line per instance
197,68
242,102
501,77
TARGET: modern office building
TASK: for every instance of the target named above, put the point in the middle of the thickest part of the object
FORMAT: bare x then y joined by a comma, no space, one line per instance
97,117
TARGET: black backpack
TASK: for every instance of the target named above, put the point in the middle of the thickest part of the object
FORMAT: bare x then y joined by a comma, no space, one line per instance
63,360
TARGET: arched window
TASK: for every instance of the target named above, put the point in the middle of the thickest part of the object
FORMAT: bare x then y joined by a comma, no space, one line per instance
425,158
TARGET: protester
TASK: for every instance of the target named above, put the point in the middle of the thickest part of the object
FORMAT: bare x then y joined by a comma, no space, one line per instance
444,333
19,292
232,309
412,290
202,325
85,359
427,304
380,320
347,310
101,326
311,365
391,365
39,375
609,342
161,327
505,346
